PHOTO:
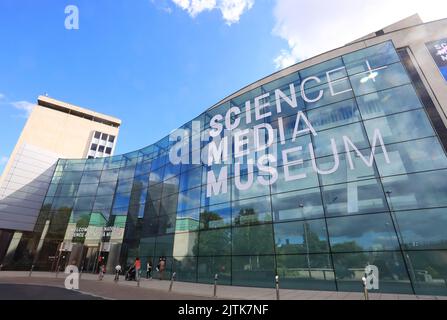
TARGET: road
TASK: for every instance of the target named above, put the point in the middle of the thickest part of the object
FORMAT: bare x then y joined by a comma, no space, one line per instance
37,292
53,289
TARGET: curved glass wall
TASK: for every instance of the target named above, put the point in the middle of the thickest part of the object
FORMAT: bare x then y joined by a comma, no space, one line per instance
315,230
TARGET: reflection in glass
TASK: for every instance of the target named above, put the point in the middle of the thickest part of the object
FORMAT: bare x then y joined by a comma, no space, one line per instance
306,272
364,196
372,232
301,237
350,268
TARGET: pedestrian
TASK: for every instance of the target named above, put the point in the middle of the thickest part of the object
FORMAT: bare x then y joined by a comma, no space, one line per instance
117,272
102,271
162,267
148,270
137,266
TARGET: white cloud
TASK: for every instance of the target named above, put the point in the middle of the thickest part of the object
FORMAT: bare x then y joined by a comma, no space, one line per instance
2,96
316,26
231,10
3,160
24,106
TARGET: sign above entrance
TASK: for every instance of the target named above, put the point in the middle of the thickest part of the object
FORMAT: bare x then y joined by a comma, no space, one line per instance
438,51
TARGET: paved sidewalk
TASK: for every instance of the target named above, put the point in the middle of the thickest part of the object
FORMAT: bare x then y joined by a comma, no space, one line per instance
159,290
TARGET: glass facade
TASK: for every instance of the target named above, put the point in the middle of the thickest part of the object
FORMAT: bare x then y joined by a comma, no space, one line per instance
316,231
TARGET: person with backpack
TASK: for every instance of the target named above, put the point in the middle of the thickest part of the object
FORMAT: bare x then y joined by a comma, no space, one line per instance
148,269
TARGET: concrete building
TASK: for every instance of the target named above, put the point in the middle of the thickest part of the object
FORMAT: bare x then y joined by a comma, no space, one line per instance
54,130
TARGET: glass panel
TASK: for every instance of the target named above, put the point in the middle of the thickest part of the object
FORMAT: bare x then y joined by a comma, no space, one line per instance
301,237
341,88
186,244
322,142
401,127
255,190
253,240
379,79
354,198
252,211
67,190
428,270
372,232
334,115
389,101
106,189
164,245
416,191
169,204
191,179
87,190
393,276
412,156
306,272
188,220
207,267
377,56
185,268
215,242
301,176
277,149
297,205
109,175
253,271
344,173
215,216
189,199
91,177
84,204
422,229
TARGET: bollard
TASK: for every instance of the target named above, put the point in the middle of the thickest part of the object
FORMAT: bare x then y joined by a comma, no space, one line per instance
80,273
31,271
365,289
172,281
137,274
215,284
277,286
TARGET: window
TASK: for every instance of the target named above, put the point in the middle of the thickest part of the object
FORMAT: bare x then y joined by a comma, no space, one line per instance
297,205
252,211
215,242
401,127
415,191
372,232
301,237
422,229
97,135
354,198
104,137
389,101
108,150
101,149
111,138
392,272
94,147
253,240
253,270
306,272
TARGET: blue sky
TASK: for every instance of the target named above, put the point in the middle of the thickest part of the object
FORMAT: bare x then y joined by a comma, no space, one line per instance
156,64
